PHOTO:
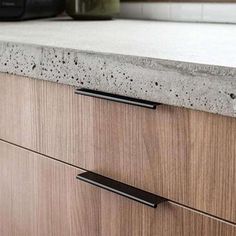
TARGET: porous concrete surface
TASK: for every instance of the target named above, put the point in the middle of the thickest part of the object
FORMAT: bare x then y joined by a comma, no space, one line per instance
195,77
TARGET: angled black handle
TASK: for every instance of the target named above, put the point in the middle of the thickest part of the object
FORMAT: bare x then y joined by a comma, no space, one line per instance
125,190
117,98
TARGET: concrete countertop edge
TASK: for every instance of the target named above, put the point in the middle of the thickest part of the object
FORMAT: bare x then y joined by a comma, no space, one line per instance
201,87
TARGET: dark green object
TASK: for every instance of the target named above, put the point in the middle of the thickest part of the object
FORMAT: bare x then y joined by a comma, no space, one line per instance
92,9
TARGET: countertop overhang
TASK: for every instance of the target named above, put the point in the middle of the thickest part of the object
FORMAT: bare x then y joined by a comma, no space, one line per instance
191,65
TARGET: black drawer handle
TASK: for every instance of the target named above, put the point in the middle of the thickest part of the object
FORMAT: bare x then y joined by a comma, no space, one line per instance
125,190
117,98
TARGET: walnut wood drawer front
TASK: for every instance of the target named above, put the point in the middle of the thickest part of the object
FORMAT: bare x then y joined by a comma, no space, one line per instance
180,154
41,196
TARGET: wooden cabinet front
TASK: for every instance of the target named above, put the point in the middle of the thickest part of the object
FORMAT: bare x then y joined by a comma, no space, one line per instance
184,155
40,196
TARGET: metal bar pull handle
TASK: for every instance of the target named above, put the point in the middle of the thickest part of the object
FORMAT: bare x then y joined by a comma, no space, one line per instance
117,98
122,189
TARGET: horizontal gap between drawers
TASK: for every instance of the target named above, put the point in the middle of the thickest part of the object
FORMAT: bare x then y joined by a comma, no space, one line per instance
45,156
169,200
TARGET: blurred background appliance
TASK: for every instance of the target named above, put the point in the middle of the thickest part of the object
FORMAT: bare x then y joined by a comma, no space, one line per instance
28,9
92,9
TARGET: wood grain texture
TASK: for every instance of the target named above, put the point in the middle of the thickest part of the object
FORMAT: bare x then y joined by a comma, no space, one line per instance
183,155
40,196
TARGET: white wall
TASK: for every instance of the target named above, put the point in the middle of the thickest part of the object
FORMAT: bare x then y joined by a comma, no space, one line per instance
197,12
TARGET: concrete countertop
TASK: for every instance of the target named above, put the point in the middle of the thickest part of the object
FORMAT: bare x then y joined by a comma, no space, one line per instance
182,64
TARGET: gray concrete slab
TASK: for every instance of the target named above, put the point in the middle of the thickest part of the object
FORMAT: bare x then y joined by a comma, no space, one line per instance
182,64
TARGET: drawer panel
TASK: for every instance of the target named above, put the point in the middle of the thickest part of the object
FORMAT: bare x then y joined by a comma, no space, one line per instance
180,154
41,196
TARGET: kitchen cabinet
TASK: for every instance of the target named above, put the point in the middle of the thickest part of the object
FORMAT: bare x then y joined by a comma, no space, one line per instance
183,155
42,196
